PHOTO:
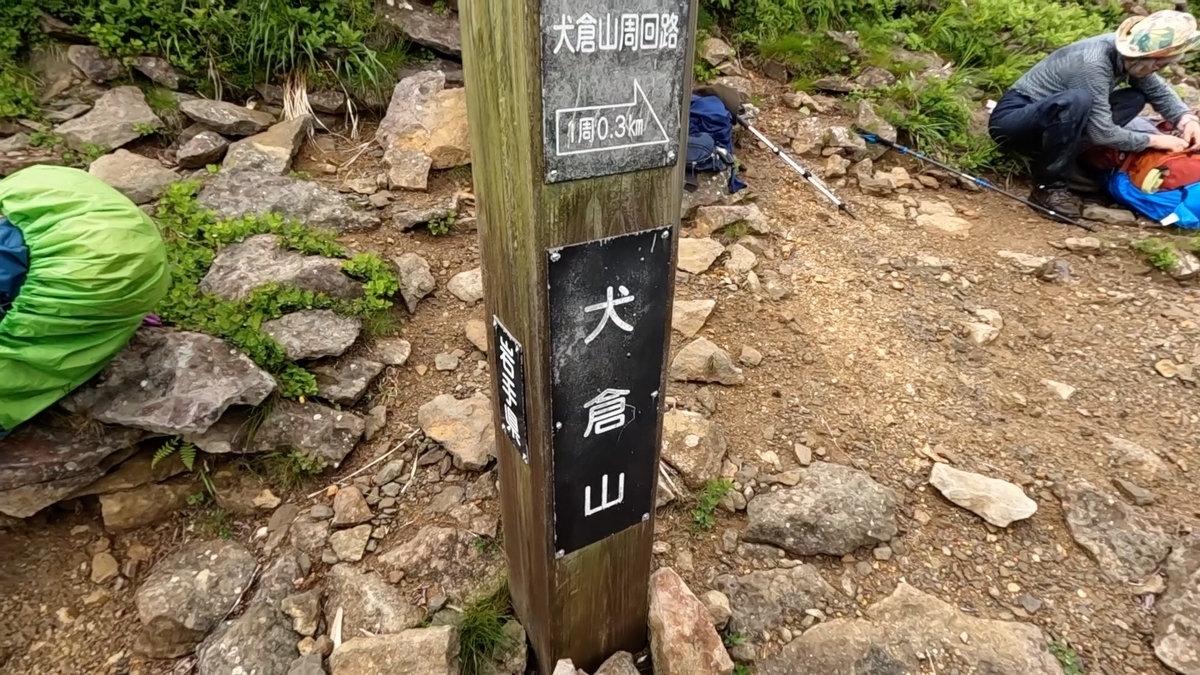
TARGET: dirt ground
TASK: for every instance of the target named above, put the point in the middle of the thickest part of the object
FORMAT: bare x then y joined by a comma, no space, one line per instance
865,363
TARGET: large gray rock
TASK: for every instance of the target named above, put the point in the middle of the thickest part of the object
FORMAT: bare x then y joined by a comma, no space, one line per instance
260,641
467,286
188,593
425,128
391,351
134,472
206,147
226,118
428,651
269,152
240,268
42,463
697,255
1177,630
314,333
424,25
145,505
833,510
139,178
463,427
620,663
233,194
866,118
767,600
228,435
443,557
683,640
116,119
158,70
998,502
695,446
688,316
703,361
171,382
1136,462
368,603
416,279
900,630
405,218
345,381
710,219
318,431
41,451
350,545
94,64
309,664
1126,543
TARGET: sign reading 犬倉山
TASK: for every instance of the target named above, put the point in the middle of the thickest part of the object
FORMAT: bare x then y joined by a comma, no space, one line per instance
608,323
612,85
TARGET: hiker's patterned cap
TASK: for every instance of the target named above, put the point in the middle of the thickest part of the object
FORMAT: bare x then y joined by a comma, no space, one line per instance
1158,36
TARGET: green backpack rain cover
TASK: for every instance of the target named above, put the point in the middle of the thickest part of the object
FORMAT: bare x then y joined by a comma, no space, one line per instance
97,267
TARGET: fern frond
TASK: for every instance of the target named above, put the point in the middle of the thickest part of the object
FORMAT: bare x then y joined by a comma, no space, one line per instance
166,450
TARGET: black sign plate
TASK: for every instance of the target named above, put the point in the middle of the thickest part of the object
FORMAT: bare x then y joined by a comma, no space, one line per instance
510,373
608,323
612,85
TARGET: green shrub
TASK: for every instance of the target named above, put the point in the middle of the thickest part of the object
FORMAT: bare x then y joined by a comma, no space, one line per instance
217,44
193,236
704,515
1160,254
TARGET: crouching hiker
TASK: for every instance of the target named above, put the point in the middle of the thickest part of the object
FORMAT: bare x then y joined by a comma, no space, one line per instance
1071,100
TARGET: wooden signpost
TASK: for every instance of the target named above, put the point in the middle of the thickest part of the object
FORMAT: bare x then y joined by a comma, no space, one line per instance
577,112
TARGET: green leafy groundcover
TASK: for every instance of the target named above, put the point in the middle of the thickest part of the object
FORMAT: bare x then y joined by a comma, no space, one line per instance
193,237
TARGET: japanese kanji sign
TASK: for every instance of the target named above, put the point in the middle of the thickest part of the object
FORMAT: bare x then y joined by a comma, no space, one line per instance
510,370
608,323
612,85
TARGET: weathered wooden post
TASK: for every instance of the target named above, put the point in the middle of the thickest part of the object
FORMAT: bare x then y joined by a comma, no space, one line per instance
577,113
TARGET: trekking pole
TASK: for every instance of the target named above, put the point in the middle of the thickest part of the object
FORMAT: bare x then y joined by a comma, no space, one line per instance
804,173
981,182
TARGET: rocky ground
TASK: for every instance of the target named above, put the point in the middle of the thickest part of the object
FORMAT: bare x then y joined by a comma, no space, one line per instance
961,439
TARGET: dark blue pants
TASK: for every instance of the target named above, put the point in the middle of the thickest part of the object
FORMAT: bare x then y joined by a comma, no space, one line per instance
1051,131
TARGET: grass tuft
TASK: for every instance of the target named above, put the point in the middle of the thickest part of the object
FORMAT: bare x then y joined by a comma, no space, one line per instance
481,635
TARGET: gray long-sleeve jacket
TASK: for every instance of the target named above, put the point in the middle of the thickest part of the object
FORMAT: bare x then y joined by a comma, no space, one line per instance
1096,66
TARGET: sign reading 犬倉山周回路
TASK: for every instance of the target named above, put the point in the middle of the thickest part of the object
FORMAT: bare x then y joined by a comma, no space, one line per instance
612,85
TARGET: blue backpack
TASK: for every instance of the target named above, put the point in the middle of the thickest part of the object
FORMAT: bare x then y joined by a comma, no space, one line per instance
710,142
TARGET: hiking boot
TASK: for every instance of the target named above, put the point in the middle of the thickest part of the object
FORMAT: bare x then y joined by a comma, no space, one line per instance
1057,198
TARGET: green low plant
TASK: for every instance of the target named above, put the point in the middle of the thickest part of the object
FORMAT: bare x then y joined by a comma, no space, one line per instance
442,225
285,470
742,669
733,638
1160,254
193,237
734,231
481,634
213,522
1071,663
146,128
703,516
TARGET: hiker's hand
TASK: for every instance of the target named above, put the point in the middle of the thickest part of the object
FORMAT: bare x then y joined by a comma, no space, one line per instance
1168,143
1191,133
